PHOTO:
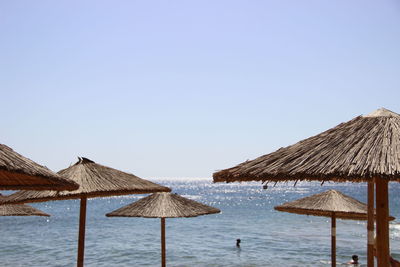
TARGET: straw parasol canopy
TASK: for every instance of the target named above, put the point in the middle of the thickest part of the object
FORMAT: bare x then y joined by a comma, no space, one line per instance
163,205
18,172
359,150
331,203
327,203
364,149
94,180
20,210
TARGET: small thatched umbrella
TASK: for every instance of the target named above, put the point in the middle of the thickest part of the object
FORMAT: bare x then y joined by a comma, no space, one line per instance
18,172
333,204
20,210
94,180
163,205
364,149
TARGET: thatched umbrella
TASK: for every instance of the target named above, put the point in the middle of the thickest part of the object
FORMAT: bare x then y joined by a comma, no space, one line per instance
20,210
364,149
331,203
163,205
94,180
18,172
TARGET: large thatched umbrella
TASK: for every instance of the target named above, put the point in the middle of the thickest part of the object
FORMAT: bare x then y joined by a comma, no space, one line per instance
163,205
94,180
364,149
18,172
333,204
20,210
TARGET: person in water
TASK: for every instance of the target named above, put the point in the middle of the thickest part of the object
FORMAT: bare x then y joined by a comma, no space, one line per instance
354,260
238,243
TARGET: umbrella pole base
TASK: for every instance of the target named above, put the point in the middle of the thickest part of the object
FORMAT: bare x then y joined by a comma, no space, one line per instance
333,239
82,226
382,223
163,253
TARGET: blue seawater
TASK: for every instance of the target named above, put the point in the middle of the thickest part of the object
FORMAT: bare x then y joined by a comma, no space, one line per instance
269,237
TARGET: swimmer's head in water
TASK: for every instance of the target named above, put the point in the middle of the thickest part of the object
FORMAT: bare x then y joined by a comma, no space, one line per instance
355,258
238,242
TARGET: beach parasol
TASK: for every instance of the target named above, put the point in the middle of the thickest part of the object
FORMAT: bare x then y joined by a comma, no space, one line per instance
364,149
19,210
331,203
18,172
94,180
163,205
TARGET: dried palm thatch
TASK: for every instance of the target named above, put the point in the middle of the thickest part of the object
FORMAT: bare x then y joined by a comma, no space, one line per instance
164,205
20,210
327,203
94,180
18,172
358,150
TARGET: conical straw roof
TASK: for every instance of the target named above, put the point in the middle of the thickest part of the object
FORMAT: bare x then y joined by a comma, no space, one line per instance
18,172
163,205
358,150
20,210
94,180
327,203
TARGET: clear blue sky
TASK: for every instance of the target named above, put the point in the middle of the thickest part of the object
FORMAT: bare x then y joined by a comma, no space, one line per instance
184,88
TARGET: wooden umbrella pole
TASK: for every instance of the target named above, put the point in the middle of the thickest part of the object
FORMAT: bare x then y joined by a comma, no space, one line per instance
82,225
382,222
370,224
163,260
333,239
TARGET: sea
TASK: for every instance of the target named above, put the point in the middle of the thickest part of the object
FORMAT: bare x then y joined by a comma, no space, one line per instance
268,237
